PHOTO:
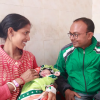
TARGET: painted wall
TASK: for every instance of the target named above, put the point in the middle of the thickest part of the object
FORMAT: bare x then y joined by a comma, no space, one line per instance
96,18
51,20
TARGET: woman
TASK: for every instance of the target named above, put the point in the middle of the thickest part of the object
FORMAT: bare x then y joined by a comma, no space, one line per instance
16,65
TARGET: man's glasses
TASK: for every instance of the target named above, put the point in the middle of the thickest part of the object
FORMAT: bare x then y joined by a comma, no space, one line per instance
75,35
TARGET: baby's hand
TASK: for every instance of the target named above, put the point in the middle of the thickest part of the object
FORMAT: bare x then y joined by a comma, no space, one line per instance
57,73
37,69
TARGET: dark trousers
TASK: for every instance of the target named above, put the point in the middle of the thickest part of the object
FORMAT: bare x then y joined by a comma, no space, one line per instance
83,97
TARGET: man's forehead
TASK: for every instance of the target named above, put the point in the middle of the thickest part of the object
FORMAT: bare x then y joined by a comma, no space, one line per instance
78,26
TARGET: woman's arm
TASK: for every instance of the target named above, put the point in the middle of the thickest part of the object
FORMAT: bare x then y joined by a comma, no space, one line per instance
4,92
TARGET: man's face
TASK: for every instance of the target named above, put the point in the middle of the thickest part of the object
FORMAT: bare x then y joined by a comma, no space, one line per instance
80,29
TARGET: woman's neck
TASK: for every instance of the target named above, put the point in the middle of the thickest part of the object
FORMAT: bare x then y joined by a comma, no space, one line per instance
12,51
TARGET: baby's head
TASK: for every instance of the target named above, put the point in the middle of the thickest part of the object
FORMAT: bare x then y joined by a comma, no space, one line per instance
47,70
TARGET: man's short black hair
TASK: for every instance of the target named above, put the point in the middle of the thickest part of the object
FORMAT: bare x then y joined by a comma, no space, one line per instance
88,22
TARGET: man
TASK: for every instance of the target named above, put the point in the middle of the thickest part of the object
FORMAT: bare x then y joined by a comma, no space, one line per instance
79,62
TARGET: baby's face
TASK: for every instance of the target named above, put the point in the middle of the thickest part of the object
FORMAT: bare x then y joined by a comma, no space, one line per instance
45,73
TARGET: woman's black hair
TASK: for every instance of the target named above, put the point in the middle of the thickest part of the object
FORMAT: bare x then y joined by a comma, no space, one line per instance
16,21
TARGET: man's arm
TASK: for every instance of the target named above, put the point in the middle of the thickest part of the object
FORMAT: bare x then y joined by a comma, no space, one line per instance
62,84
62,79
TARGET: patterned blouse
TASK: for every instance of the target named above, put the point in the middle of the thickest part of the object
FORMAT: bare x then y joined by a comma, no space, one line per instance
11,69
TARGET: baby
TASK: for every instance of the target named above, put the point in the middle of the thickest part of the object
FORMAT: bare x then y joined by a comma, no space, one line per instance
35,89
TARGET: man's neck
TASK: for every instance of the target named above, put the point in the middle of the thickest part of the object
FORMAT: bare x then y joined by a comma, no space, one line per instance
87,45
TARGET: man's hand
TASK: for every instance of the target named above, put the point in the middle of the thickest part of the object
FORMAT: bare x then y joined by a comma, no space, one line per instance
69,95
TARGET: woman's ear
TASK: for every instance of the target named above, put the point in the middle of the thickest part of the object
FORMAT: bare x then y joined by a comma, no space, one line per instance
10,32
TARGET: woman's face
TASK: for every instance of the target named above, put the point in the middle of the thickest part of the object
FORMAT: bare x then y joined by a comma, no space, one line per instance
45,72
20,37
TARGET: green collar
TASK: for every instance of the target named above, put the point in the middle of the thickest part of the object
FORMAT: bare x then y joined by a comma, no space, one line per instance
89,48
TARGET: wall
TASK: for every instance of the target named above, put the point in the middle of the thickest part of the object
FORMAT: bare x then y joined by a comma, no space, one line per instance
51,20
96,18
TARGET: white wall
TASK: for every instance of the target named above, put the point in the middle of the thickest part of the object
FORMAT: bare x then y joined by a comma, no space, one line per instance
96,17
50,20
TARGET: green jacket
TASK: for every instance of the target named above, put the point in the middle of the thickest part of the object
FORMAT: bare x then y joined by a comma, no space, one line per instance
81,66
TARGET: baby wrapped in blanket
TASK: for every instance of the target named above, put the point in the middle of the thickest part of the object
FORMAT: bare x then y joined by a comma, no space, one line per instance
35,89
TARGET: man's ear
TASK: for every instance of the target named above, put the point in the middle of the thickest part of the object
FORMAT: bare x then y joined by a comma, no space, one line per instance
90,34
10,32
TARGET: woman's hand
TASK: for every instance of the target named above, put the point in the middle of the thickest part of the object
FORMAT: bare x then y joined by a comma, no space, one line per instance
29,75
49,96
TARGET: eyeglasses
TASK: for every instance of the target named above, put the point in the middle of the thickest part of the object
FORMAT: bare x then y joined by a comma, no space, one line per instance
75,34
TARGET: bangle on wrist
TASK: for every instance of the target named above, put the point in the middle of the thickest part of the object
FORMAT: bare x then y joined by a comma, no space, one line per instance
22,79
12,85
15,83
